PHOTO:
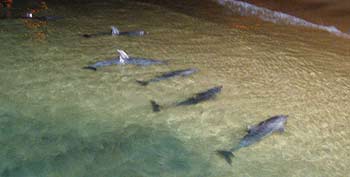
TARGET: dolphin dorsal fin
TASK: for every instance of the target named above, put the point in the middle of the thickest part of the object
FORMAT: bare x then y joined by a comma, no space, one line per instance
122,56
114,31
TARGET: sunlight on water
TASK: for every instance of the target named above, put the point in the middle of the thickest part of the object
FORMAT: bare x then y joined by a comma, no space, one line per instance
57,119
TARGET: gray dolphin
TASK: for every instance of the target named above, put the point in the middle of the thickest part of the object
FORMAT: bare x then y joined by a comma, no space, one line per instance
168,75
29,15
115,32
255,134
124,59
197,98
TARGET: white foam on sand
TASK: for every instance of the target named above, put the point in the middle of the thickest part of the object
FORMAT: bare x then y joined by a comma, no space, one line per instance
246,9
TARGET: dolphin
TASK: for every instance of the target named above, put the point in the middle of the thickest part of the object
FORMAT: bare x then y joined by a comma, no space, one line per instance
256,133
41,18
168,75
124,59
115,32
197,98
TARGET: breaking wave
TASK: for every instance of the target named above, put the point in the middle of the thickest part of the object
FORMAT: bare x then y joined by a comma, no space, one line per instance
246,9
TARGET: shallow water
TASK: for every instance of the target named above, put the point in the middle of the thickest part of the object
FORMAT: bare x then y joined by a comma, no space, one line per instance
60,120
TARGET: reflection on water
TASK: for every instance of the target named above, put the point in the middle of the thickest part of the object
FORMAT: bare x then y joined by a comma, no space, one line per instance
33,7
10,8
37,26
57,119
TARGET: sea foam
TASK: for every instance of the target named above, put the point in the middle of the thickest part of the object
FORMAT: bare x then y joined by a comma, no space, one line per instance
246,9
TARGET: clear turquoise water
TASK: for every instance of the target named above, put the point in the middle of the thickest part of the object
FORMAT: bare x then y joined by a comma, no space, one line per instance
60,120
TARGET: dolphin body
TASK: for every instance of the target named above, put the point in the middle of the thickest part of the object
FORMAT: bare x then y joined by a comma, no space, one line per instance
41,18
255,134
199,97
168,75
115,32
30,16
124,59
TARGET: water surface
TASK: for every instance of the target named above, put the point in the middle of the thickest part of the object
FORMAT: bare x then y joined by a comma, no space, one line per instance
60,120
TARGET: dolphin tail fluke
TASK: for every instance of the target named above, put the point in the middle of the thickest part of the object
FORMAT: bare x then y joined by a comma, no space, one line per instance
155,106
90,67
143,83
227,155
